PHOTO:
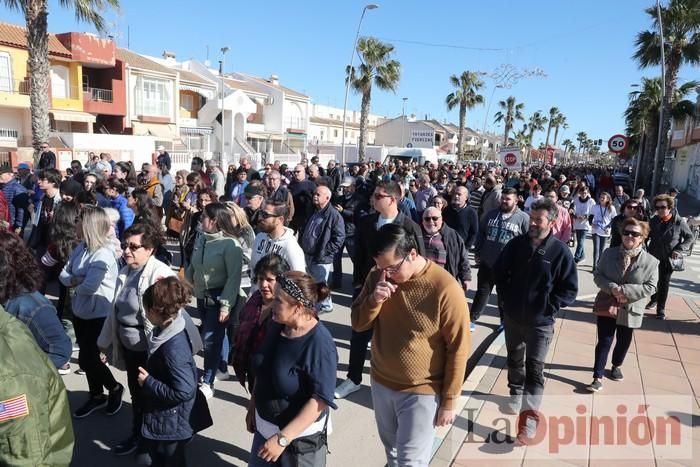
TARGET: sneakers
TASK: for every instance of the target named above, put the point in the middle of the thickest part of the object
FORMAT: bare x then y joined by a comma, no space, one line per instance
324,310
616,374
527,429
472,327
207,390
64,370
346,388
660,316
126,447
595,386
114,400
222,375
90,406
651,305
512,406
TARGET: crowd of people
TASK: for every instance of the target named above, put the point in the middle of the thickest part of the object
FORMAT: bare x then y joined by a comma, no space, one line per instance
259,253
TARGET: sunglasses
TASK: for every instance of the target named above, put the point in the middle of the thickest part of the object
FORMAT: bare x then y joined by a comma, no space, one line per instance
631,233
379,196
131,246
431,218
267,215
660,207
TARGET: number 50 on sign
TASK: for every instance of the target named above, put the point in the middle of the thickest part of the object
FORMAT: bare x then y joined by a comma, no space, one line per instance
618,144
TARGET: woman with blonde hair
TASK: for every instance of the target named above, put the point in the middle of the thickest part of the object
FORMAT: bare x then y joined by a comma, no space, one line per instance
603,214
175,217
92,271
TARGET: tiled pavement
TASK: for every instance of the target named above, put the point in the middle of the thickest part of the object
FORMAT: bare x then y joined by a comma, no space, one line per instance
662,372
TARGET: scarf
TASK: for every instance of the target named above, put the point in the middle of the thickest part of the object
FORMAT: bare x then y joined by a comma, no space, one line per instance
666,218
160,336
628,256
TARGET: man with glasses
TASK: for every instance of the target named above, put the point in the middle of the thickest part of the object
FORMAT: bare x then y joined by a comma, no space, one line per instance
302,190
462,217
669,238
420,346
274,237
279,193
386,197
445,247
47,158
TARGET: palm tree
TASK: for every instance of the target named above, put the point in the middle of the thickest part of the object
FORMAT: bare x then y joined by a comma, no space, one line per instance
568,147
581,139
681,30
35,15
520,138
642,118
466,96
536,123
559,123
553,114
509,113
377,69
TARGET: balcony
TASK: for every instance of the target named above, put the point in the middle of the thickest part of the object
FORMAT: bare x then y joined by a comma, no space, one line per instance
14,93
97,95
8,138
15,87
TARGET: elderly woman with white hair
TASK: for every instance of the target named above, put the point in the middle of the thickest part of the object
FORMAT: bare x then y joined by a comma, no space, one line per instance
218,180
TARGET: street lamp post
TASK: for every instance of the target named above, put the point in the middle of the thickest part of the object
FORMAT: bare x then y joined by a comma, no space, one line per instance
223,118
403,120
371,6
488,109
657,155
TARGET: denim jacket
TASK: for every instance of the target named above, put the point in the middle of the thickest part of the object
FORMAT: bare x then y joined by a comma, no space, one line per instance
37,312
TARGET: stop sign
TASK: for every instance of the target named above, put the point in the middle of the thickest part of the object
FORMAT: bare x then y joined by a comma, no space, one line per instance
510,158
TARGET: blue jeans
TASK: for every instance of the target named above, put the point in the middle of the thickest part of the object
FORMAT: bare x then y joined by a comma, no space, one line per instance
598,247
579,255
320,273
214,338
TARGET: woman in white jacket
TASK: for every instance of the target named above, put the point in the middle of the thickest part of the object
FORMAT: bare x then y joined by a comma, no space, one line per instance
582,209
91,271
603,214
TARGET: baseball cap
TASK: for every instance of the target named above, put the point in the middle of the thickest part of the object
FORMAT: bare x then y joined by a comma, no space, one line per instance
23,166
347,181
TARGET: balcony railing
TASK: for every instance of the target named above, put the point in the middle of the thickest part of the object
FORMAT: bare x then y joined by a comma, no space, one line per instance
15,87
97,94
8,133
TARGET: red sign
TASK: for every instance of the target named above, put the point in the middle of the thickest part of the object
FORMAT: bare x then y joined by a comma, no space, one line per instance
510,158
618,144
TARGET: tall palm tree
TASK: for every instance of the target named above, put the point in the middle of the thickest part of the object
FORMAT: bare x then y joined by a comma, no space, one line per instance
553,114
559,123
581,138
520,138
35,15
377,69
681,29
466,96
509,113
568,148
536,123
642,118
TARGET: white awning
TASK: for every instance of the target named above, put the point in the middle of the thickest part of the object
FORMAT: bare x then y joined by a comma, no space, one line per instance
195,130
208,93
72,116
259,135
164,131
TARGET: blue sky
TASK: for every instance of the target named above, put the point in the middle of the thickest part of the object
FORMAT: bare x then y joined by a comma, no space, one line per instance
585,47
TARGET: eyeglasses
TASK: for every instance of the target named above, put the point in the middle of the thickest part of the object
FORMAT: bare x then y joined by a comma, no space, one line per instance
631,233
298,171
632,206
131,246
394,269
432,218
660,207
267,215
379,196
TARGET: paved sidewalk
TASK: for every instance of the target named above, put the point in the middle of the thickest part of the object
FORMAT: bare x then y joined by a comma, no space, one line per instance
662,375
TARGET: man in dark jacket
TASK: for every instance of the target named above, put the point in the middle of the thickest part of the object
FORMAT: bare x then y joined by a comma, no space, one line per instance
386,195
333,175
445,247
302,190
347,205
47,158
462,217
323,237
278,193
535,277
669,238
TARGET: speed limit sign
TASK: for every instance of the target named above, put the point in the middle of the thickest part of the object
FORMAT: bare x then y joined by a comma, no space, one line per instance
618,144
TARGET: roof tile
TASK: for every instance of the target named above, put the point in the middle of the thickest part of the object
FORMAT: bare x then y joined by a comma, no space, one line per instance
13,35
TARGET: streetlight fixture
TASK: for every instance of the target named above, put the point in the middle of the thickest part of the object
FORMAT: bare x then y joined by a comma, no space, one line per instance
403,119
371,6
224,50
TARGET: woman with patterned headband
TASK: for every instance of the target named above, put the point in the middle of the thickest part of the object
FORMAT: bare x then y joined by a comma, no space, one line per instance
295,368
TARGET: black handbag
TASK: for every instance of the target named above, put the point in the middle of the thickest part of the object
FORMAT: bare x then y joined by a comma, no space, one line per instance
311,443
200,417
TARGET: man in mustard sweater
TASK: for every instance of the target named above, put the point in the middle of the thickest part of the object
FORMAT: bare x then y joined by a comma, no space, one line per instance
420,345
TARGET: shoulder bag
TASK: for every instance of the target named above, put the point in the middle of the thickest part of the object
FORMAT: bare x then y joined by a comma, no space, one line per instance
605,305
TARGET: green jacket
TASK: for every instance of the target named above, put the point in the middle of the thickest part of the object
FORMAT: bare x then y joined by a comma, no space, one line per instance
217,263
41,432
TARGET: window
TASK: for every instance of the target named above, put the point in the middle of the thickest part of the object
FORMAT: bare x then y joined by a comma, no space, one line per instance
60,81
187,102
335,133
5,72
153,97
322,135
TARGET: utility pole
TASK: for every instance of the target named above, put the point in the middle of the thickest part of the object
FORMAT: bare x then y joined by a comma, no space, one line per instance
403,120
656,177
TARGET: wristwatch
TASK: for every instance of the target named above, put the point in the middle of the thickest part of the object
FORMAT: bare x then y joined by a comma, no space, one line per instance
282,440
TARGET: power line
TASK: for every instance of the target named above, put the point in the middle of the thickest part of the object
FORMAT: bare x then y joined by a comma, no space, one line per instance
448,46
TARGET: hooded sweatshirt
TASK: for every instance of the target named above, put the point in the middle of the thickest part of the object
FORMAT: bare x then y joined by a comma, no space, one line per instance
286,246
